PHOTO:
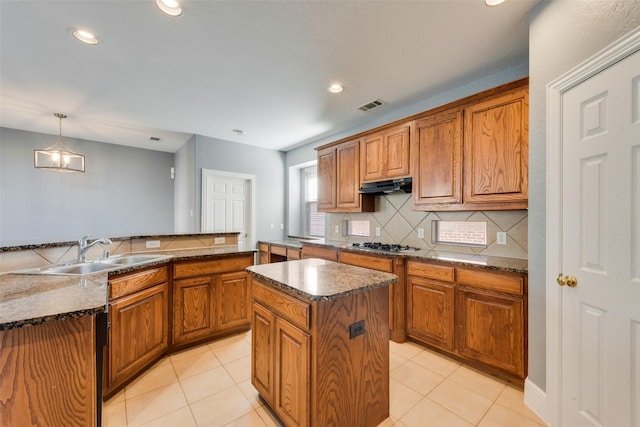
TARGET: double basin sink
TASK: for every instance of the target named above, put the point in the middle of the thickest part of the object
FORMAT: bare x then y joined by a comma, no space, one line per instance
105,265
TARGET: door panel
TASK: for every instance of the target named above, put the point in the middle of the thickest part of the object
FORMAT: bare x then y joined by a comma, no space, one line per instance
600,206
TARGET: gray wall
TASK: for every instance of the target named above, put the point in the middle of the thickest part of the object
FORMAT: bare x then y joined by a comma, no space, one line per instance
562,34
125,191
266,165
185,188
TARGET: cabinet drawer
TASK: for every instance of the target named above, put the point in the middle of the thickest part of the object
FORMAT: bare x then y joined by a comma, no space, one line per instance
492,280
318,252
212,266
279,250
430,271
367,261
263,247
130,283
293,254
292,309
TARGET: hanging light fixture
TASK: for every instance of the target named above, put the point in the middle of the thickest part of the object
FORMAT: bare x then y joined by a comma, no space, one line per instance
58,157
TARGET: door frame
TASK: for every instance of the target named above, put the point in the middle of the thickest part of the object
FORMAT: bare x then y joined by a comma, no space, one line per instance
209,174
615,52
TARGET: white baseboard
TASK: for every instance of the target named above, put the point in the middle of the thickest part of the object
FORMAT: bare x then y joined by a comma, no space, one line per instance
535,399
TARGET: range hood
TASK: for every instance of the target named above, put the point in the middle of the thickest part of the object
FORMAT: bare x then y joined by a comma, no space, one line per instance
401,185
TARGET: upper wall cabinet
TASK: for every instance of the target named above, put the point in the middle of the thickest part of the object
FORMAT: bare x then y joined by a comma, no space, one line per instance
473,154
385,154
339,179
496,147
437,159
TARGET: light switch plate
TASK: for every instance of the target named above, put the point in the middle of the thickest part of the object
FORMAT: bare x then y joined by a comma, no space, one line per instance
501,238
337,228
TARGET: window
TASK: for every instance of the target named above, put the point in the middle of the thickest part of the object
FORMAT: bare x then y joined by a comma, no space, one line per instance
460,233
313,220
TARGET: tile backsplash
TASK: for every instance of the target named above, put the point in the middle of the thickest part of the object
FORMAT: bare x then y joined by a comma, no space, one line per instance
399,224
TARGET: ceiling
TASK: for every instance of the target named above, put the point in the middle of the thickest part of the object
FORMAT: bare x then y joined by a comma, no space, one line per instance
259,66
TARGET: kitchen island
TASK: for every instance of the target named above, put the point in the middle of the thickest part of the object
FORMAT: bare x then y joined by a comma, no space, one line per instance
320,342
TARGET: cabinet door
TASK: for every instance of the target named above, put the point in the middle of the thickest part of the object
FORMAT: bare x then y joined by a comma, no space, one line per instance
490,329
430,308
327,176
263,351
139,332
348,182
496,148
193,309
293,364
371,157
396,152
437,148
233,300
264,257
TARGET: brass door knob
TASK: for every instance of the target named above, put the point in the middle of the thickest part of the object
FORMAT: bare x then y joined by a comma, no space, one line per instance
570,281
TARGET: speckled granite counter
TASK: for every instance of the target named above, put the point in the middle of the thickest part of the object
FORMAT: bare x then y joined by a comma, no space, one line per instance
36,299
514,265
320,280
32,299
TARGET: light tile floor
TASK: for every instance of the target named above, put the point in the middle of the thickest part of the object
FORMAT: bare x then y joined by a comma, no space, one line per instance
210,385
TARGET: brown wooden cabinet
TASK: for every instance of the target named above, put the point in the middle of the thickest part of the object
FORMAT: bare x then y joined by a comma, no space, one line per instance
431,304
397,292
263,253
322,252
386,154
48,374
437,159
139,320
339,179
210,298
475,315
194,309
496,150
295,344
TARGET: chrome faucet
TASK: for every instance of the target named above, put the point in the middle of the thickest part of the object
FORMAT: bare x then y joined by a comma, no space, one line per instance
84,245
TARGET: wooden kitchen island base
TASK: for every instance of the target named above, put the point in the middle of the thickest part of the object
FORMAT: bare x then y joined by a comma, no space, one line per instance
318,359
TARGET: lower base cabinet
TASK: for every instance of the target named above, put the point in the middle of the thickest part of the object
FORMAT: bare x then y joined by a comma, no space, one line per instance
472,314
139,324
307,368
48,374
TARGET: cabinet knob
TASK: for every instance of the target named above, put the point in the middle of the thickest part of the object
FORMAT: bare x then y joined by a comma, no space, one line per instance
570,281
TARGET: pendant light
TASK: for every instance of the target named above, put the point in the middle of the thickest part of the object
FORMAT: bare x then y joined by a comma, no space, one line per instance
58,157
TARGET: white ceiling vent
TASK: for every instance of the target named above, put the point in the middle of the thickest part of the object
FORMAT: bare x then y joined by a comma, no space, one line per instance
371,105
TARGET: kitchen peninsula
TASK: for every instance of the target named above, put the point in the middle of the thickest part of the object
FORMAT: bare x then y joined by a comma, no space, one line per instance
320,342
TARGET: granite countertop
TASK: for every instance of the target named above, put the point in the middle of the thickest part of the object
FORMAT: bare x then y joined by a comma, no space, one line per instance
513,265
320,280
32,299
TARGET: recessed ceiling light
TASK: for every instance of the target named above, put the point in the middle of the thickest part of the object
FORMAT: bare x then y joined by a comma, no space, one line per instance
335,88
493,2
170,7
238,132
85,36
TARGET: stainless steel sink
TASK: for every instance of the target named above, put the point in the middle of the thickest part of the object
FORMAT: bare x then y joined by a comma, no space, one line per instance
105,265
132,259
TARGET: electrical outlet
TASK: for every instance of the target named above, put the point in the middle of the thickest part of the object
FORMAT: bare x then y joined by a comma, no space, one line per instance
420,233
272,226
356,329
337,229
152,244
281,226
377,231
501,238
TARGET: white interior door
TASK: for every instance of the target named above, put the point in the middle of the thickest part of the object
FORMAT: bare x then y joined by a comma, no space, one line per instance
600,365
226,204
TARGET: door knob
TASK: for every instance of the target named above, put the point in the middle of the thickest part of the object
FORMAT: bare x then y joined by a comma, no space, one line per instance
570,281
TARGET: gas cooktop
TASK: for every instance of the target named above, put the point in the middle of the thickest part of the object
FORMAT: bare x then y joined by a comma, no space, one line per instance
385,247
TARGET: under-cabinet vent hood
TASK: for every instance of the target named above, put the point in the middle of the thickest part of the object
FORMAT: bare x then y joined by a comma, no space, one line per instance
401,185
